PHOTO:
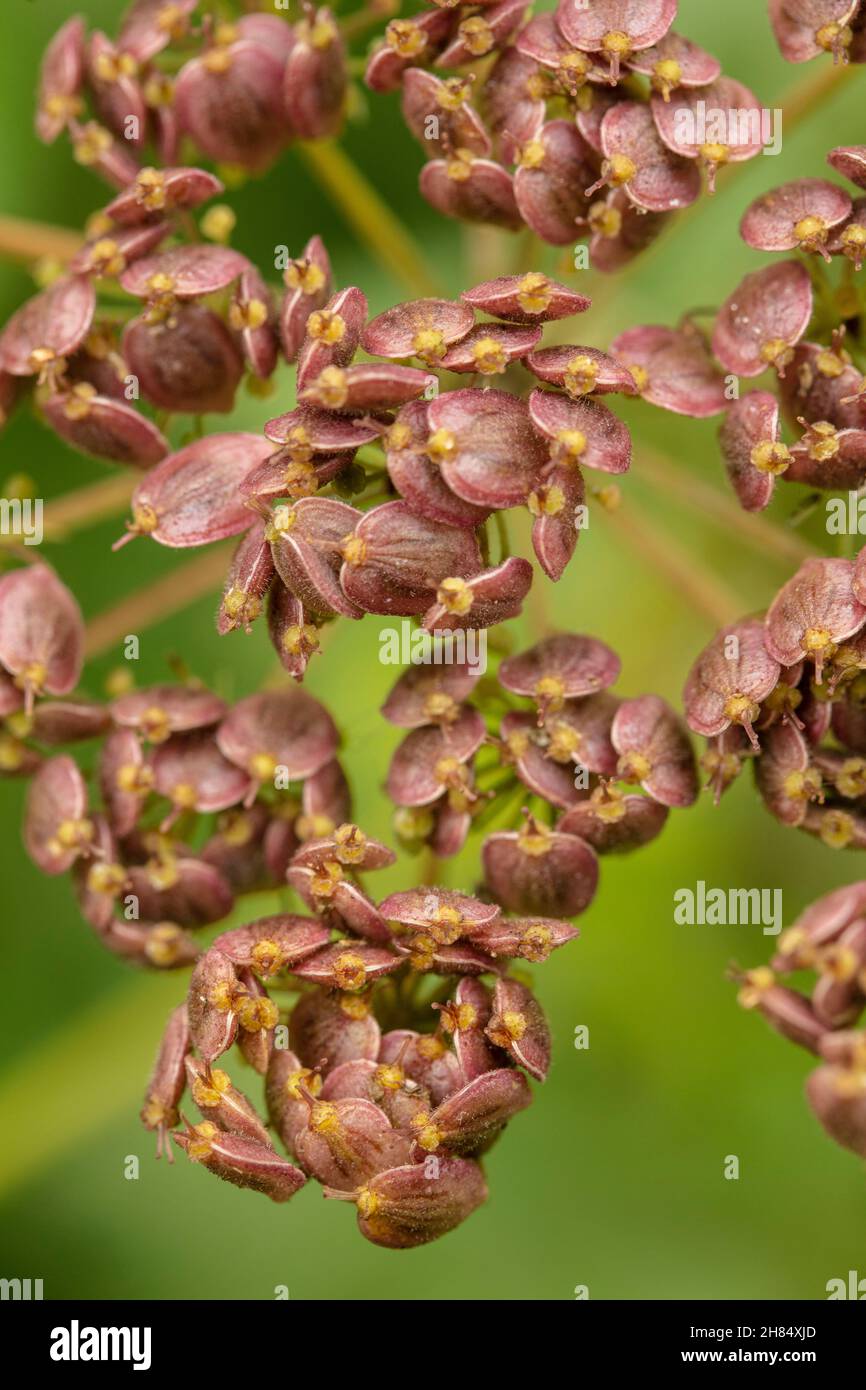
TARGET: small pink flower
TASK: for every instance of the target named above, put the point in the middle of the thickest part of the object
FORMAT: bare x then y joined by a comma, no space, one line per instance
762,321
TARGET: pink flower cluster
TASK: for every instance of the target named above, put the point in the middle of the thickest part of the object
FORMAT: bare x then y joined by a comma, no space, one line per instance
608,768
191,802
786,318
387,1077
787,693
239,92
368,426
828,940
632,91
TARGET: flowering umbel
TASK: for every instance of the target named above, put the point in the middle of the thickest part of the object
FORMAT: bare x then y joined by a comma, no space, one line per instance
238,92
786,693
574,772
396,1060
373,493
784,328
190,802
583,123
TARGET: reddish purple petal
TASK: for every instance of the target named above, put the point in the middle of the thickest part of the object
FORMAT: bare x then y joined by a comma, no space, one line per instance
249,577
582,432
490,348
347,965
116,93
407,42
333,335
673,369
161,190
60,79
394,559
763,319
539,871
615,28
423,328
805,28
307,551
485,445
105,428
580,371
41,632
750,440
278,729
675,62
554,504
612,823
316,77
230,100
543,41
637,158
471,190
187,891
418,479
428,759
850,162
251,315
718,124
554,171
308,287
48,327
56,828
192,773
486,599
798,215
429,695
812,612
109,256
512,103
518,1025
730,679
430,104
580,733
374,386
530,298
781,774
820,385
655,750
161,710
185,272
192,497
329,1029
149,26
560,666
469,1120
480,34
526,746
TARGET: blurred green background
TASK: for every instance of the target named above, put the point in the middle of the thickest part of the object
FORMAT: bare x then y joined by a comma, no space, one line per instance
614,1179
